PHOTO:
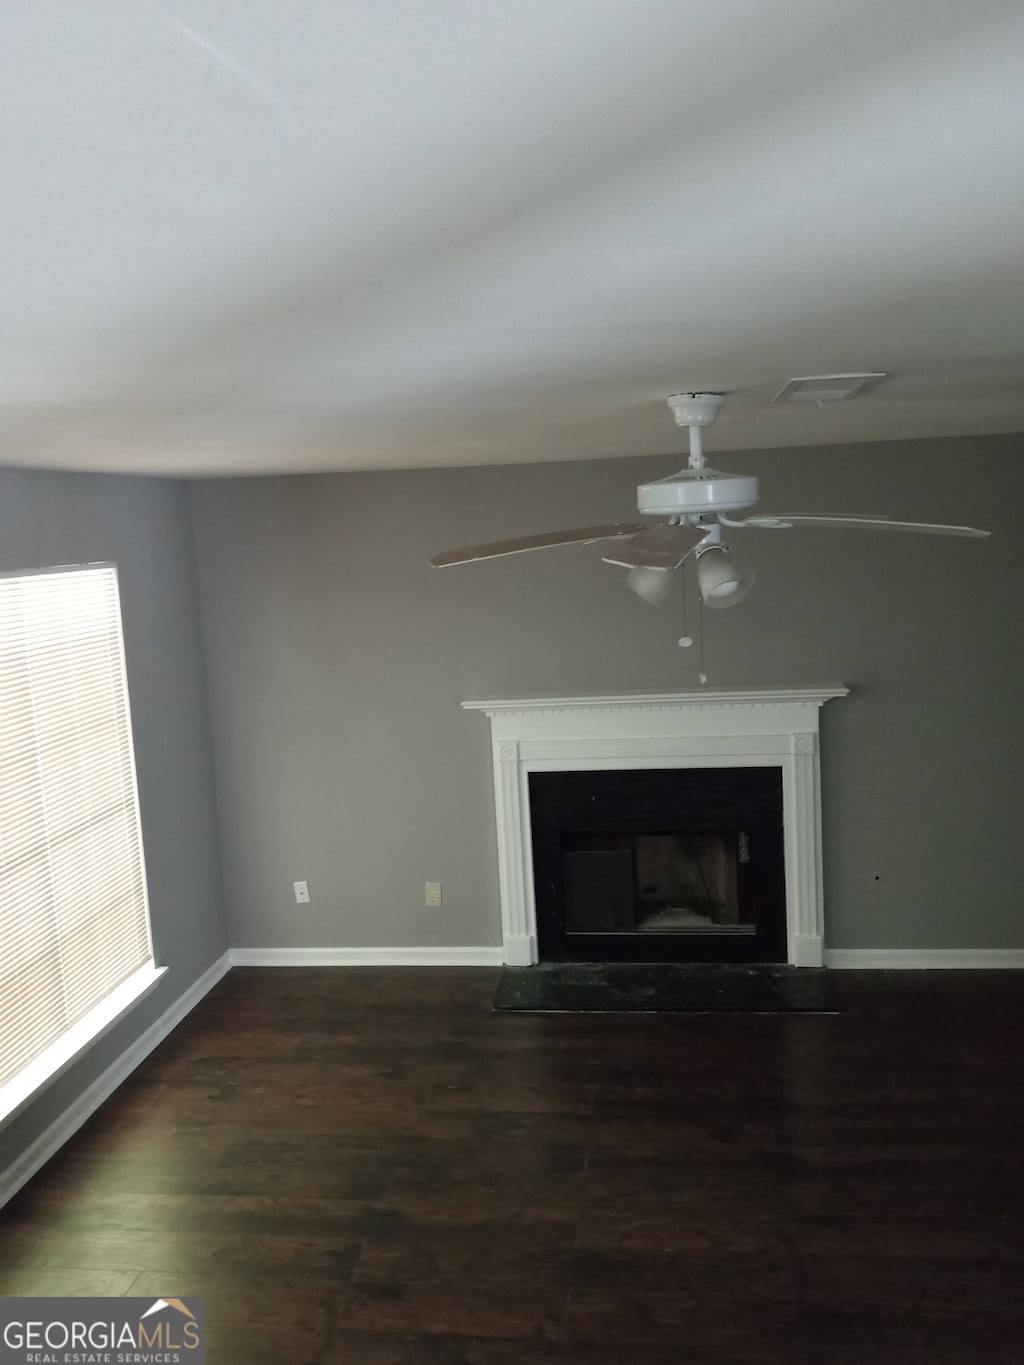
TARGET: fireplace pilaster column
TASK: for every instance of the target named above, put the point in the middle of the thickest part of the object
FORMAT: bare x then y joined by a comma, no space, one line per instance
801,791
515,864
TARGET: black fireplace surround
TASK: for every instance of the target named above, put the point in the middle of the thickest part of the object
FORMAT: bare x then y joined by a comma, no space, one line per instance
659,865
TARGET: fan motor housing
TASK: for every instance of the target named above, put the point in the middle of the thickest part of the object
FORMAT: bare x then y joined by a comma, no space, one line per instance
695,491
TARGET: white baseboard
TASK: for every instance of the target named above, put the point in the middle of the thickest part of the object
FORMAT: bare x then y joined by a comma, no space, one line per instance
367,957
922,959
24,1167
841,958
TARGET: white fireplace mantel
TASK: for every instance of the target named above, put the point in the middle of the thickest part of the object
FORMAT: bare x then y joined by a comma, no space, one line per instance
738,727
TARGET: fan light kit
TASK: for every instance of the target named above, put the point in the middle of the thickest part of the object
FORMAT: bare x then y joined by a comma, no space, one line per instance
695,504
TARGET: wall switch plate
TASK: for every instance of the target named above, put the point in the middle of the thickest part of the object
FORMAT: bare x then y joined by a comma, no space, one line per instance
433,893
301,893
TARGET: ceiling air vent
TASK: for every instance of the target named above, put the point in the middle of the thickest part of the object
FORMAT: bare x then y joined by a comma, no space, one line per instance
825,388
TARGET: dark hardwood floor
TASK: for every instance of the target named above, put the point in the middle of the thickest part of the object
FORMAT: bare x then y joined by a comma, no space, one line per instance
368,1167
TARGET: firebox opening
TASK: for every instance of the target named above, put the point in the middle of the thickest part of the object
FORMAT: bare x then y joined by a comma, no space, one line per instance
655,883
659,864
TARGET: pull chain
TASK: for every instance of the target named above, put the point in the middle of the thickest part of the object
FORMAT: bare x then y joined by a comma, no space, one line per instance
685,639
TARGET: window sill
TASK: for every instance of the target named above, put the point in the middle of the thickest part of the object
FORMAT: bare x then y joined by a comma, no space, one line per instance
23,1088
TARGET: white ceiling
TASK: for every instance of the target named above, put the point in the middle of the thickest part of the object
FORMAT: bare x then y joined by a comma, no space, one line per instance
249,236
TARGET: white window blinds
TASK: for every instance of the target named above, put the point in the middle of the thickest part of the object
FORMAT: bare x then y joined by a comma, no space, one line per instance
74,919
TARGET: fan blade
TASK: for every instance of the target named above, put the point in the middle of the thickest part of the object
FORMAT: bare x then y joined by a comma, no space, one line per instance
582,535
864,523
659,547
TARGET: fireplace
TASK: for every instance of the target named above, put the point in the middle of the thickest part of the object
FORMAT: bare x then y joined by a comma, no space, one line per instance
706,730
663,864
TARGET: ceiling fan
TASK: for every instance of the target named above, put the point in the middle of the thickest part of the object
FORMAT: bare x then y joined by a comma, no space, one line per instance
697,502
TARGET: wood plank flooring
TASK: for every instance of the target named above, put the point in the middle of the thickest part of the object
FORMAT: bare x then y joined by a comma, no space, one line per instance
368,1167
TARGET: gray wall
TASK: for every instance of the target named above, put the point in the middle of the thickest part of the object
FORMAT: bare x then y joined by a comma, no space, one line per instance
337,659
143,525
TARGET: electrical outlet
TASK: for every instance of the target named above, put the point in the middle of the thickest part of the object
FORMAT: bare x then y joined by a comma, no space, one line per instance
301,893
433,894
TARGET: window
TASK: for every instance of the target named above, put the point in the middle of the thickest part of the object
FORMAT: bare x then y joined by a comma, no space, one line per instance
75,946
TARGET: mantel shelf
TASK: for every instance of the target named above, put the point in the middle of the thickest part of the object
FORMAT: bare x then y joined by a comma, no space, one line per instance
695,697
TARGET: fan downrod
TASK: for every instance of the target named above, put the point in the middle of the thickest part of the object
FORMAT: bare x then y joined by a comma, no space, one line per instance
696,491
